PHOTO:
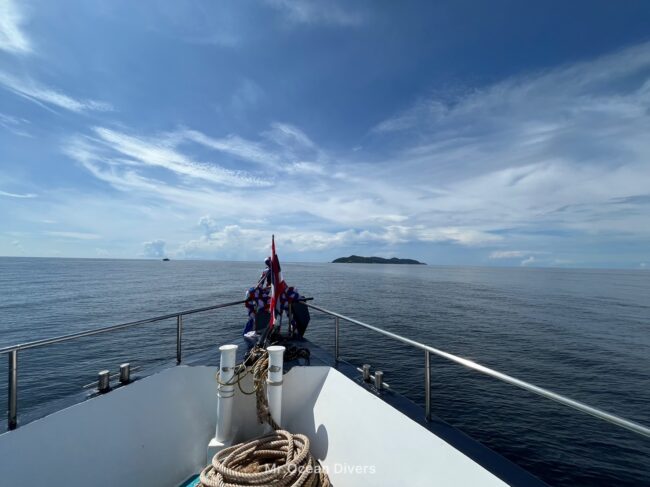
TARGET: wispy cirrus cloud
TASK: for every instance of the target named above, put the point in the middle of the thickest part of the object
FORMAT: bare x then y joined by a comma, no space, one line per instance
199,23
17,195
156,152
15,125
282,147
319,12
120,156
232,144
48,97
14,41
74,235
289,136
549,150
12,37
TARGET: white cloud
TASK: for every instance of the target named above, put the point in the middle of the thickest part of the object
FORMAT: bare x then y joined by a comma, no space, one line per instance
231,144
423,109
47,97
306,167
462,236
208,224
514,254
12,37
283,147
544,163
528,257
318,12
74,235
154,249
150,191
161,152
508,254
15,125
194,23
231,237
289,136
529,261
552,150
100,252
8,120
128,163
217,239
17,195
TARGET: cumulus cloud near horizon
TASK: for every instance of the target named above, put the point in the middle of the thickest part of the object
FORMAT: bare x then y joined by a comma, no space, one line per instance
154,249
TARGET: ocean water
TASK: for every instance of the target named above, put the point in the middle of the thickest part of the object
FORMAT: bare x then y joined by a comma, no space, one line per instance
583,333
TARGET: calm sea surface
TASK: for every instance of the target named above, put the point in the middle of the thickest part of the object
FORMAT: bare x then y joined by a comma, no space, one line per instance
583,333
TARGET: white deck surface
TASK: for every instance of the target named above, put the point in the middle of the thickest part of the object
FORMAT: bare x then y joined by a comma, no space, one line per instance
364,441
154,433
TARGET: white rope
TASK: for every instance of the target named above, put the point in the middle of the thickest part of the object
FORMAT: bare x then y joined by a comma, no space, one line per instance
276,459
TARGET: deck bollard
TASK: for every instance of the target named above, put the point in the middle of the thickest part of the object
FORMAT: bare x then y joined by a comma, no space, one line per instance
379,380
125,373
366,372
225,397
274,382
104,381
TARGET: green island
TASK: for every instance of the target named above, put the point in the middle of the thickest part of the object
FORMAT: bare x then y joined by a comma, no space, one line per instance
357,259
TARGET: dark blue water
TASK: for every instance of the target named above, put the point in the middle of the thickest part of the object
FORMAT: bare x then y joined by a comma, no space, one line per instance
583,333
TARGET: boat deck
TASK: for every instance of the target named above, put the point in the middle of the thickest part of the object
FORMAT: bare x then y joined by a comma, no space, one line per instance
502,468
156,430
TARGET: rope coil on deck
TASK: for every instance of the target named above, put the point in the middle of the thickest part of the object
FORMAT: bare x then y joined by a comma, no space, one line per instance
279,458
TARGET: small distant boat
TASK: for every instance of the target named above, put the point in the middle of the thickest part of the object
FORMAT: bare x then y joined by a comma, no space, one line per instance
166,259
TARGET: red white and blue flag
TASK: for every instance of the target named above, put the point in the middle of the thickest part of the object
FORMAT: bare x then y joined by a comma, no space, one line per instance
278,286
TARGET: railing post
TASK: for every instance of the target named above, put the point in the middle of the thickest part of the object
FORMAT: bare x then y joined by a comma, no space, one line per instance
179,338
336,338
427,385
12,396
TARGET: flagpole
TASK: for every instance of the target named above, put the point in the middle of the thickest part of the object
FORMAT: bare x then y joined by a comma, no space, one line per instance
273,284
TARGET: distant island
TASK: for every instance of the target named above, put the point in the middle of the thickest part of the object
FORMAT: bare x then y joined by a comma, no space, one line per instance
356,259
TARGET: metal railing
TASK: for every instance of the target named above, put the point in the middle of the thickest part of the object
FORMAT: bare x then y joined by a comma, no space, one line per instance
598,413
12,351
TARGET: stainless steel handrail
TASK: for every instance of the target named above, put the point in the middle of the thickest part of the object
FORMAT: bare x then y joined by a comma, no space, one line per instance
598,413
96,331
12,351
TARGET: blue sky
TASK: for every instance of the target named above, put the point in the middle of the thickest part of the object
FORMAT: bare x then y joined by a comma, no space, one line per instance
478,133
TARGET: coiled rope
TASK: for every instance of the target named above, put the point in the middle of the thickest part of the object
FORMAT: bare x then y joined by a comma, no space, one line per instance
279,458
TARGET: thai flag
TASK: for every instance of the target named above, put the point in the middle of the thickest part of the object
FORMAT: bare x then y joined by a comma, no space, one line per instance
278,286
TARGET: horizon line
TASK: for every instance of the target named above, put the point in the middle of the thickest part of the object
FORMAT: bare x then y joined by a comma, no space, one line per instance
160,259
